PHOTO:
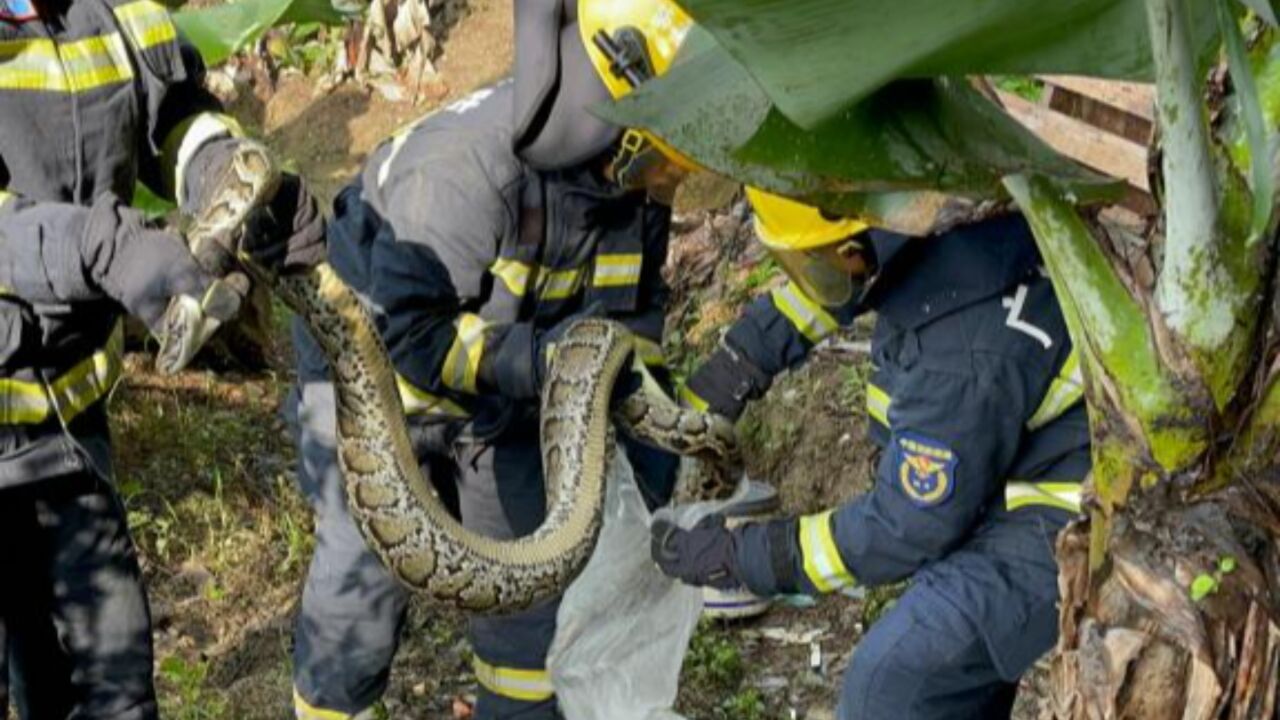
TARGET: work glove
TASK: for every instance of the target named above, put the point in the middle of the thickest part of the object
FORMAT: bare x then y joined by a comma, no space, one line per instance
516,365
248,206
704,555
154,277
727,381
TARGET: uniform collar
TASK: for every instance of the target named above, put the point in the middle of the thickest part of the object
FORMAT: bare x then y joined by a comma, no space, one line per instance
923,279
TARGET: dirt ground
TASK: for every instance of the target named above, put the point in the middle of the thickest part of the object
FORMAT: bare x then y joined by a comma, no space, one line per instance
207,466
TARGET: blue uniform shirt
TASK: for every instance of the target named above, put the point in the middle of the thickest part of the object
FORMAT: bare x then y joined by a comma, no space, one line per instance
972,389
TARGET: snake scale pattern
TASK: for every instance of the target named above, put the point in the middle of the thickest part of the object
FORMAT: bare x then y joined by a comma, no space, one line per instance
394,506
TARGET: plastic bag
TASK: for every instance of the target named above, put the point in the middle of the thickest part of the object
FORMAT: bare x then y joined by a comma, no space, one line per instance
623,627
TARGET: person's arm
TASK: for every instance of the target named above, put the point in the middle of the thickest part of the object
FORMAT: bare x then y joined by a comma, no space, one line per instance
775,333
953,437
61,253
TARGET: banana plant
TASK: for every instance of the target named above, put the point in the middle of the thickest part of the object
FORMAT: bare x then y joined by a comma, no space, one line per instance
1170,584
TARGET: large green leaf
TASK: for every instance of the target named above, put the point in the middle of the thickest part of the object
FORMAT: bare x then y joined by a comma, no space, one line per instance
873,158
814,58
217,31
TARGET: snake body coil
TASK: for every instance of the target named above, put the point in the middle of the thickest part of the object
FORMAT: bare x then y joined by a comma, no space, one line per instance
394,505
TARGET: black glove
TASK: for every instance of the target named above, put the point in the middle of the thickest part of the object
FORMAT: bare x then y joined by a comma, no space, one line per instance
288,234
516,356
281,226
705,554
154,277
727,381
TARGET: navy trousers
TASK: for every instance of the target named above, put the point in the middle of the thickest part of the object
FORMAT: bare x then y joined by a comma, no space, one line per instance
75,630
956,642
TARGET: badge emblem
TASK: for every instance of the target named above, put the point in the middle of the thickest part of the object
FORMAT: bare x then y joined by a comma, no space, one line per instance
926,469
17,11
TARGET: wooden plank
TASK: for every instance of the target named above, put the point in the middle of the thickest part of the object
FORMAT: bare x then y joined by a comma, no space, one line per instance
1109,154
1134,98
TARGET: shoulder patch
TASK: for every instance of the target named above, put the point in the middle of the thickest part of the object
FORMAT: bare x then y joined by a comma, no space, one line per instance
926,469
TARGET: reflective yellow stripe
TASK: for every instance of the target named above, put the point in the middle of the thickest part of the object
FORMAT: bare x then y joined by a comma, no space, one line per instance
691,399
1064,392
822,562
303,710
91,380
5,197
618,270
523,685
808,317
878,402
559,284
23,403
417,401
513,273
650,352
148,23
1062,495
72,67
463,360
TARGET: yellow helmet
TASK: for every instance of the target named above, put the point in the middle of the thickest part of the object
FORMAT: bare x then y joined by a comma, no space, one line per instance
630,42
812,248
785,224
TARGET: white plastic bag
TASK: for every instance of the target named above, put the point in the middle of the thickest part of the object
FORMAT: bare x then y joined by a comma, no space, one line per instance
623,627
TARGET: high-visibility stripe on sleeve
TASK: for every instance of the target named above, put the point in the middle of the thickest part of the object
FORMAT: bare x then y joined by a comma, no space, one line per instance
513,273
147,23
417,401
514,683
649,352
463,361
878,402
5,197
808,317
186,139
303,710
40,64
691,399
1061,495
822,562
1064,392
559,284
617,270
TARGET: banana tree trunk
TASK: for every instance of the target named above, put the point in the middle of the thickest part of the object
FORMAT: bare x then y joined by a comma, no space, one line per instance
1171,586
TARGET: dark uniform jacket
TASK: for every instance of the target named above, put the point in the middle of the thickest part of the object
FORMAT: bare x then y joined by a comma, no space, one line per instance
468,258
974,397
94,97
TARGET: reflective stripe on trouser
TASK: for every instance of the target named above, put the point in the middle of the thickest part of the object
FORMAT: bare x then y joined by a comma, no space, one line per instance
1062,495
501,493
76,569
348,627
69,394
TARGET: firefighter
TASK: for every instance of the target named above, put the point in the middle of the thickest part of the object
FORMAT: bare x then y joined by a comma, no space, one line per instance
95,95
476,235
975,400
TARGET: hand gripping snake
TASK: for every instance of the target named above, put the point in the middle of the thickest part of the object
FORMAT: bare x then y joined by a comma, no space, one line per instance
394,506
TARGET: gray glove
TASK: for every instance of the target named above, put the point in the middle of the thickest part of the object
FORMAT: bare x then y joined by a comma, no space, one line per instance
154,277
